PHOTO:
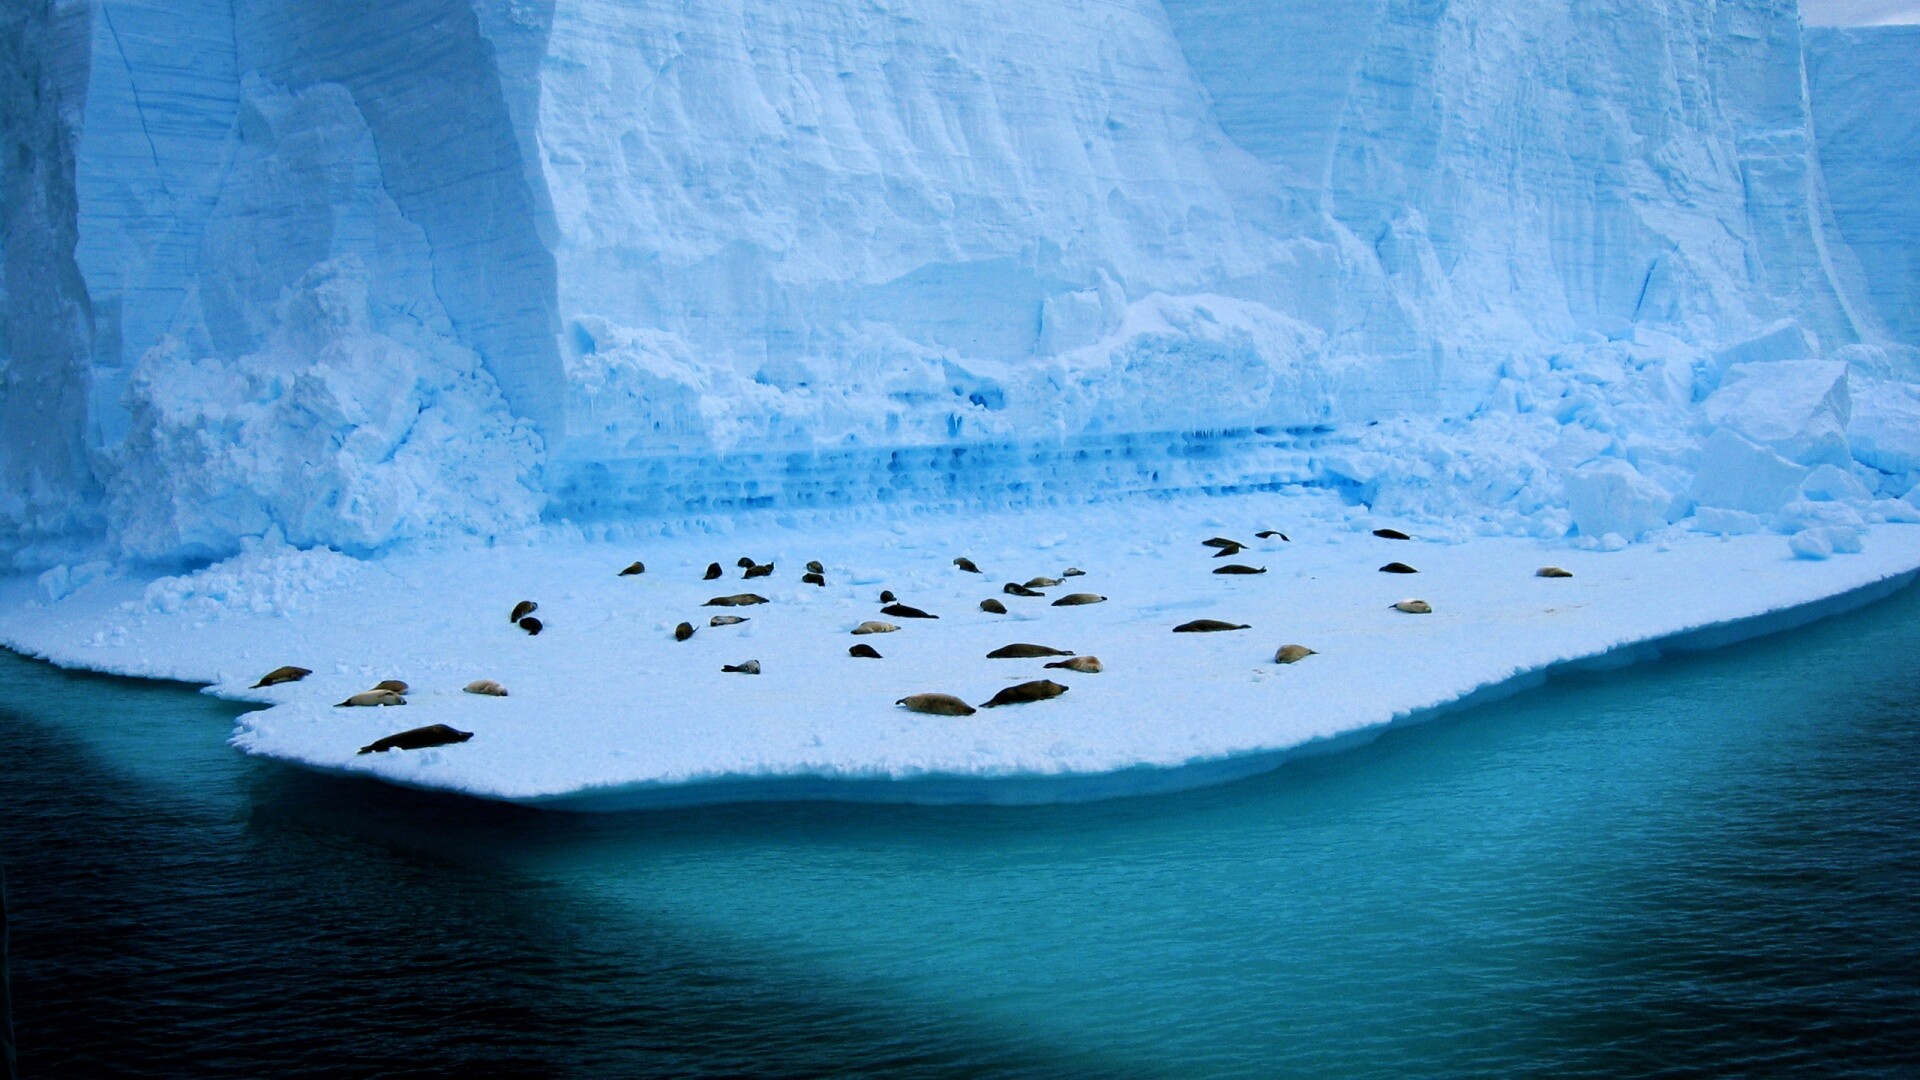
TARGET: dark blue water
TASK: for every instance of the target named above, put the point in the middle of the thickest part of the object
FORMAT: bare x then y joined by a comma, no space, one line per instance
1703,866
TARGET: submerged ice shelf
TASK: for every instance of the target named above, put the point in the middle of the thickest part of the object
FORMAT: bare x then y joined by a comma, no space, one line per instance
608,711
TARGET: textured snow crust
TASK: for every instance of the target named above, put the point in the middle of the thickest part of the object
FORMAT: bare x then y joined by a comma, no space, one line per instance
606,710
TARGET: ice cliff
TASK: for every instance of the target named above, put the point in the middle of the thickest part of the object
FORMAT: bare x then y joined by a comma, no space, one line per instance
374,271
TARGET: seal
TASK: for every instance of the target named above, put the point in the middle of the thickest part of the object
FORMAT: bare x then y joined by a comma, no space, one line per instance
485,688
814,567
886,596
532,626
1221,542
1271,534
904,611
966,564
1398,568
279,675
745,599
1208,626
1037,690
726,620
1020,650
1073,571
937,704
523,609
1238,568
713,571
419,738
1391,534
1014,588
813,578
1079,599
394,685
875,626
637,567
1042,582
1552,571
864,651
1086,665
683,631
764,570
373,697
751,667
1226,551
1414,607
994,606
1292,654
743,562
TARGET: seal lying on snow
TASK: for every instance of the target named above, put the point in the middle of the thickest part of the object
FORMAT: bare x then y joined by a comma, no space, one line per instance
1208,626
1020,650
937,704
1037,690
282,674
373,697
418,739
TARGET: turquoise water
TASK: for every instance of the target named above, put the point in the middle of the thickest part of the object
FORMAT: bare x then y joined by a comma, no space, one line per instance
1708,864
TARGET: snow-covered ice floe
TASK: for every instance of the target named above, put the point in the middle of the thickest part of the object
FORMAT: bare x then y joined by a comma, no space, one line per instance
606,710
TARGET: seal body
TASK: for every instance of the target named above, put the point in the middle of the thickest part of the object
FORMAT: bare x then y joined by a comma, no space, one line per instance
1042,582
418,738
1414,607
1073,571
1271,534
1391,534
683,631
743,562
814,578
1020,650
1238,568
751,667
745,599
726,620
1208,626
1222,542
279,675
886,596
864,651
485,688
966,564
373,697
532,626
713,571
522,609
1037,690
1014,588
904,611
1079,599
814,567
994,606
937,704
636,567
875,626
1226,551
765,570
1291,654
1552,571
394,685
1086,665
1398,568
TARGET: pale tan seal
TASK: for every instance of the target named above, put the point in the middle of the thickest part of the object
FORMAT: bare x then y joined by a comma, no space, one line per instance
1208,626
485,688
1086,665
994,606
1414,607
875,626
394,685
937,704
1079,599
279,675
373,697
726,620
522,609
751,667
419,738
1038,690
1020,650
1552,571
1042,582
1292,654
1073,571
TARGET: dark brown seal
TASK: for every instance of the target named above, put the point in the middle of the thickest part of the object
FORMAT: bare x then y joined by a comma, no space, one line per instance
1037,690
1398,568
1208,626
994,606
713,571
764,570
683,631
418,738
1020,650
637,567
966,564
904,611
864,651
282,674
745,599
1079,599
1271,534
812,578
532,626
814,566
937,704
1552,571
1238,568
1014,588
1222,542
523,609
1391,534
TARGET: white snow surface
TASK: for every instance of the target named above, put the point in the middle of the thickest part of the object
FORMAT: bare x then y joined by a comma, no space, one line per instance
607,711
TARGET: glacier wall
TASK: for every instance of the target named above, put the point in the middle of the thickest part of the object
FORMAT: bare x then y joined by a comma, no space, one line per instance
370,272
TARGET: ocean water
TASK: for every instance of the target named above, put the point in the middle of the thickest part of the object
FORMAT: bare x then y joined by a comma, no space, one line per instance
1707,865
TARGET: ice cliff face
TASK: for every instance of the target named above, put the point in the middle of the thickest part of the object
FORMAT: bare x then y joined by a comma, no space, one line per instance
625,258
